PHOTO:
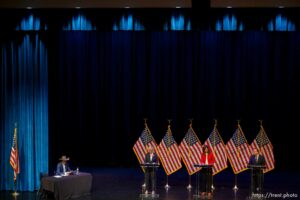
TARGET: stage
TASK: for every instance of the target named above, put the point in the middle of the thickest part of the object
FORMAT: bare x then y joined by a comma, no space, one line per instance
125,183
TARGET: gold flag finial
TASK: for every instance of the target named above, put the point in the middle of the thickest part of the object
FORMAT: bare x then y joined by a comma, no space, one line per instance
260,121
169,126
216,122
191,122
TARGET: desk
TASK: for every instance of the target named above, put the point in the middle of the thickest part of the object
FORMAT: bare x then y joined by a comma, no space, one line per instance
68,187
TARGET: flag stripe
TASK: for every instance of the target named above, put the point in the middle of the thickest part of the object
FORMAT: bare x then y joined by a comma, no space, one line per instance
263,143
140,146
238,151
14,156
218,147
190,149
169,153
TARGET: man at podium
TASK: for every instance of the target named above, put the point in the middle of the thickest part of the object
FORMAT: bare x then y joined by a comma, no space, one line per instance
207,158
150,158
257,161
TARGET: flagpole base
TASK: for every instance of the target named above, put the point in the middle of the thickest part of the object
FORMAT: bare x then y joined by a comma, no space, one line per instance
235,188
15,194
189,187
167,186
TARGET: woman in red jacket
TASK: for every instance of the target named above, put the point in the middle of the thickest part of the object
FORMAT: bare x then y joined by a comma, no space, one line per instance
207,158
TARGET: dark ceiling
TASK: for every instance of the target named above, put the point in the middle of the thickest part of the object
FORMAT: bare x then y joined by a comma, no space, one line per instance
144,3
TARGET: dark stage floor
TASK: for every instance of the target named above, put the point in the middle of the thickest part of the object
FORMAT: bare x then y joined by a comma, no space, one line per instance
125,184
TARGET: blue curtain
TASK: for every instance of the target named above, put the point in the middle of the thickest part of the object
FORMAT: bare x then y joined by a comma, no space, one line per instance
229,23
79,23
24,100
128,23
178,22
31,23
281,23
107,82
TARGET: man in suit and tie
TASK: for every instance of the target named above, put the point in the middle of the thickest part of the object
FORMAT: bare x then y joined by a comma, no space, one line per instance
256,159
151,158
62,167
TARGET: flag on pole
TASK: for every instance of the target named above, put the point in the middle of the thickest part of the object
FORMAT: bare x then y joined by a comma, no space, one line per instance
140,147
263,143
190,149
168,153
216,144
238,151
14,156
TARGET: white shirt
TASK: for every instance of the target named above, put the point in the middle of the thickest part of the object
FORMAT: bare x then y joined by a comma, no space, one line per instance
64,168
151,156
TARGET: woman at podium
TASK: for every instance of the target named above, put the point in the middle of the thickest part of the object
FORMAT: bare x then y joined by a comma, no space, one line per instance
150,158
207,158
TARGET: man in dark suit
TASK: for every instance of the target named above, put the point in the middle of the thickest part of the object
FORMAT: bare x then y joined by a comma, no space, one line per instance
257,159
151,158
62,167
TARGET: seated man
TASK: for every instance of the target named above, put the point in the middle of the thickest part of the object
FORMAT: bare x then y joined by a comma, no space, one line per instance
257,159
63,166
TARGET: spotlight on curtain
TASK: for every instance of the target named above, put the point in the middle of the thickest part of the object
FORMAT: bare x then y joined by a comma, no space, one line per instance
128,23
229,23
178,22
24,100
30,23
79,23
281,23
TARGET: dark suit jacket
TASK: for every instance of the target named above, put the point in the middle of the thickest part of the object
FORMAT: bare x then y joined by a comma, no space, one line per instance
260,161
60,169
154,158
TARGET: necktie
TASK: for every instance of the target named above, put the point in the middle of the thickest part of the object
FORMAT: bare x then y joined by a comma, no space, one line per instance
256,158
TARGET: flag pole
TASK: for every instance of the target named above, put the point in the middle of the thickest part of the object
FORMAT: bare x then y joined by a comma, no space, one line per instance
235,188
167,186
215,127
189,187
15,193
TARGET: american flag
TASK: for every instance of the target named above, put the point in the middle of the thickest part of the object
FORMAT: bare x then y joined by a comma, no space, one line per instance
14,156
238,151
169,153
190,149
216,144
140,147
263,143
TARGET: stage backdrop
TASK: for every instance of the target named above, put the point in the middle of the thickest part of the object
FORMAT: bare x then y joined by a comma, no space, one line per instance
102,85
24,101
96,87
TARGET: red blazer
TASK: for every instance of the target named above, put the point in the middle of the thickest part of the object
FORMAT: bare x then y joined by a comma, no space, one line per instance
210,159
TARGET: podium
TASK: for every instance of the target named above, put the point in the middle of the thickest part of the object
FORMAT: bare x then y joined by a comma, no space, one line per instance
151,169
207,168
257,179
